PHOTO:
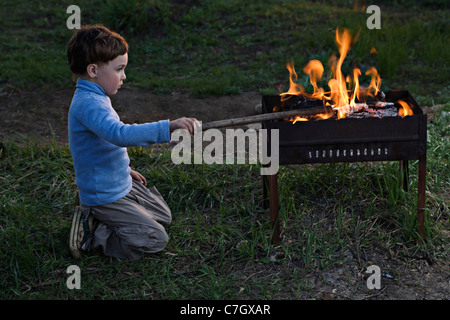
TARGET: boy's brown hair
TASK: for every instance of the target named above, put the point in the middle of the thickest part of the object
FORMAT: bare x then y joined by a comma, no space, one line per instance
94,44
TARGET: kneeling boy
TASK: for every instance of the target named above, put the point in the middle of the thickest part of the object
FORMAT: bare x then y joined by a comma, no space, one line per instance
118,213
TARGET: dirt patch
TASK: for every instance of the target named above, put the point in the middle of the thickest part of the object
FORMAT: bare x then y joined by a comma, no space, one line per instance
41,114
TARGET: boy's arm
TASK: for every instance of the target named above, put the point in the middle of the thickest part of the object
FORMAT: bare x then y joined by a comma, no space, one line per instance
106,124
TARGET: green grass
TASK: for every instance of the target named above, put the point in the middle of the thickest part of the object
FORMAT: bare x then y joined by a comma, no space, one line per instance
223,47
219,246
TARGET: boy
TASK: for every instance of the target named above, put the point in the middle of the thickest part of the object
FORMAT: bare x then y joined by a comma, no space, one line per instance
117,212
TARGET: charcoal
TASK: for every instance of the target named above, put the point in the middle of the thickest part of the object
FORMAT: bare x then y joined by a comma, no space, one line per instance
380,96
371,108
300,102
373,111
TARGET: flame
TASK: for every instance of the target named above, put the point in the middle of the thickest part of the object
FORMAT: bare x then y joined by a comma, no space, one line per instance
338,86
356,74
294,88
405,110
298,118
375,82
341,97
314,69
317,116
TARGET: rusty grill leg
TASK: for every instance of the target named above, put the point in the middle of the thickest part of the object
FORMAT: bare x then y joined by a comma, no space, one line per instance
274,208
421,196
404,174
264,187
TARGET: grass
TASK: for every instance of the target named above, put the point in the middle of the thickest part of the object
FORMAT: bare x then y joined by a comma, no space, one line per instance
331,215
219,245
223,47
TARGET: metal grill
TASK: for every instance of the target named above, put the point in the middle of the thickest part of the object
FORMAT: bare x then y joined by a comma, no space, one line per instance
349,140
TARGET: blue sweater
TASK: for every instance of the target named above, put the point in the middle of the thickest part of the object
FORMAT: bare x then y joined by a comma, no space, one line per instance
98,141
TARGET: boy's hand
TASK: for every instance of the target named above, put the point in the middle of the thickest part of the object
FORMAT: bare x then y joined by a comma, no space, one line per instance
190,124
138,177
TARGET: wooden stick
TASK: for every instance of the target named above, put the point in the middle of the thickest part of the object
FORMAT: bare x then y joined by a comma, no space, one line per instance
264,117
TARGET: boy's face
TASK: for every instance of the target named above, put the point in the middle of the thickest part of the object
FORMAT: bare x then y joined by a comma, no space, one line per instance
110,76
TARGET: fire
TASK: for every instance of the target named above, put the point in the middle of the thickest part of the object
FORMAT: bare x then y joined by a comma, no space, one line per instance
298,118
314,69
405,110
338,97
294,88
338,86
356,74
375,82
344,91
317,116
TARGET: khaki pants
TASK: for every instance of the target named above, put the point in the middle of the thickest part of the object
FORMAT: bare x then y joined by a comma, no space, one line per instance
131,226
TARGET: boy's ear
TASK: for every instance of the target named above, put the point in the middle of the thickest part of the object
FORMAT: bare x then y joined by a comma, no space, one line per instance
91,70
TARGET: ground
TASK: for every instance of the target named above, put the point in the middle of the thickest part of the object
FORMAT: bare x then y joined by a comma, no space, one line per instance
42,114
39,112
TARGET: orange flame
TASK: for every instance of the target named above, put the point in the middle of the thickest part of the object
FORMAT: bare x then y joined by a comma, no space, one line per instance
405,110
298,118
356,74
375,82
314,69
294,88
340,98
343,42
317,116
